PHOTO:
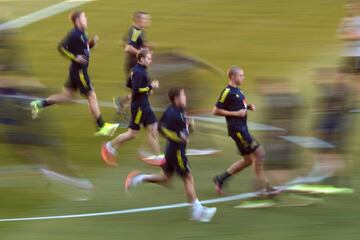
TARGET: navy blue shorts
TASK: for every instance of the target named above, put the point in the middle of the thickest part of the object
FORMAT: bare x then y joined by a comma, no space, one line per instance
244,142
141,115
79,80
176,161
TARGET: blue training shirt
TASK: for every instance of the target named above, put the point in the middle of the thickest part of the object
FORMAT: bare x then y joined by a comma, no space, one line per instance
140,85
75,43
172,123
233,99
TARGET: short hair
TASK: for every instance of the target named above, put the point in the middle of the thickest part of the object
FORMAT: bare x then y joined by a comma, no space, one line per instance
139,14
232,71
75,15
142,54
174,92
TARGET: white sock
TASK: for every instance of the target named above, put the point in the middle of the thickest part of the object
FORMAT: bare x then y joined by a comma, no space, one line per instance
141,178
196,204
110,148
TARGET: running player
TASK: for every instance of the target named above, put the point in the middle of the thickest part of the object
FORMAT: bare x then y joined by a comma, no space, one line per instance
134,42
173,125
233,106
76,47
141,112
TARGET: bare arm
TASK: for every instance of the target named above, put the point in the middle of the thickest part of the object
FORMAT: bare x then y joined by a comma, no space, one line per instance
222,112
130,49
93,41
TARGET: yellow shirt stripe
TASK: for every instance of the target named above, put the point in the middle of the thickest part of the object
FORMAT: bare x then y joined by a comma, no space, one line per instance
67,53
171,135
135,35
224,95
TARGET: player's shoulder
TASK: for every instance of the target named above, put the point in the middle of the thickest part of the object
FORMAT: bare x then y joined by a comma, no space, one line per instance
130,30
241,91
172,111
71,32
135,68
75,33
135,32
138,69
228,90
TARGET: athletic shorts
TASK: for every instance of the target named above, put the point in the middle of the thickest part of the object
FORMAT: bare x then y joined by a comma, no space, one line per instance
245,143
176,161
79,80
141,115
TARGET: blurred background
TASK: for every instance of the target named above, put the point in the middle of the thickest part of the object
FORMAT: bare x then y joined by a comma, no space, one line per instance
302,65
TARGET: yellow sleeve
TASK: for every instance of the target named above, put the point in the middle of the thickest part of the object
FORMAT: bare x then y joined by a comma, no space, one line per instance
171,135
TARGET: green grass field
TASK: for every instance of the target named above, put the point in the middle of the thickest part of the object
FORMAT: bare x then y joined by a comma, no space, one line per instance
267,37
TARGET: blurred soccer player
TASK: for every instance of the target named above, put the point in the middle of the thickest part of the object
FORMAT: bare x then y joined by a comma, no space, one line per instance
134,42
349,32
233,106
141,112
173,125
76,47
332,125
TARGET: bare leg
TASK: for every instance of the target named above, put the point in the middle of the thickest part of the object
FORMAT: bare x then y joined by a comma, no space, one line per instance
159,178
153,138
125,101
233,169
93,105
165,177
189,188
124,137
239,165
65,96
258,159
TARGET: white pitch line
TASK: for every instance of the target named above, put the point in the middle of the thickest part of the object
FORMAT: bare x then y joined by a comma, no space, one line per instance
308,142
355,111
42,14
241,196
135,210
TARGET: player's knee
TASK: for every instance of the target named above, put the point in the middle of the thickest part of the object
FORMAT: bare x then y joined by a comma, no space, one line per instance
132,133
166,178
248,160
167,175
153,133
260,153
68,93
188,177
91,96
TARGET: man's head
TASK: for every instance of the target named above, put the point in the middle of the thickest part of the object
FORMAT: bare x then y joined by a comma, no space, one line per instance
142,19
177,97
236,75
144,57
78,18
